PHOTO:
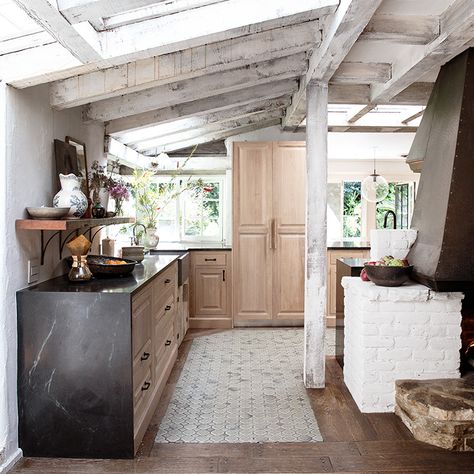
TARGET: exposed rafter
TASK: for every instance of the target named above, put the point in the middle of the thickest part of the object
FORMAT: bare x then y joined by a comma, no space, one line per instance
340,34
212,137
457,30
125,154
166,129
202,106
196,133
197,88
45,14
414,116
403,29
193,62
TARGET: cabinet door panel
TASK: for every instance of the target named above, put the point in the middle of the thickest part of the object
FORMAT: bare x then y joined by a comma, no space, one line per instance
253,278
252,258
289,204
210,294
288,288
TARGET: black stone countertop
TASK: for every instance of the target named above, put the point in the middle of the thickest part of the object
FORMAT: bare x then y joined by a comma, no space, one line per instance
353,262
186,246
345,244
151,266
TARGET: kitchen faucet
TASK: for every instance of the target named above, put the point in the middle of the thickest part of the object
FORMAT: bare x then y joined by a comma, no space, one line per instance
390,213
135,239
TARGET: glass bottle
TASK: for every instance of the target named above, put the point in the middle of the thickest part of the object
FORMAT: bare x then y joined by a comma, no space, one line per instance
80,270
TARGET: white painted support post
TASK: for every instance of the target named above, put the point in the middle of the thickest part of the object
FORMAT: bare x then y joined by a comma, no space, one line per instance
316,225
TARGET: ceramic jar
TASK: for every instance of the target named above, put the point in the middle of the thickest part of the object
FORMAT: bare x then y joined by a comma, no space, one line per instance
71,196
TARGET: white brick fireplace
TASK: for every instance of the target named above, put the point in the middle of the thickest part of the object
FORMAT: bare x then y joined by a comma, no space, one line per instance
408,332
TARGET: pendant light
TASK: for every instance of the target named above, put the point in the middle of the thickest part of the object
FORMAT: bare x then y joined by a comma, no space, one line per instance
374,187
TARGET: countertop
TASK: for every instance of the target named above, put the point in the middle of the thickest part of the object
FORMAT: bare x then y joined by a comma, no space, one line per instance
353,262
186,246
345,244
151,266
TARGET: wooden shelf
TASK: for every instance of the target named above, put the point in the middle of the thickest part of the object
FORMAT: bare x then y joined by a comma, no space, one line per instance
70,224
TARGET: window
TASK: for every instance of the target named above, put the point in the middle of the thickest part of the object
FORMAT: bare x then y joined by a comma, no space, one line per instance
352,210
201,212
387,204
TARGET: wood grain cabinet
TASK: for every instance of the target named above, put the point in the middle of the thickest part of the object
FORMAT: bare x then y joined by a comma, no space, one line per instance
93,361
269,232
211,289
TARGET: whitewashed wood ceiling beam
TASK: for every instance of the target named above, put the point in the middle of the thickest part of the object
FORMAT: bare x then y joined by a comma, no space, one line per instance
212,23
49,17
168,7
402,29
413,116
203,106
193,62
77,11
212,137
22,43
193,89
362,73
192,123
456,33
125,154
196,133
341,32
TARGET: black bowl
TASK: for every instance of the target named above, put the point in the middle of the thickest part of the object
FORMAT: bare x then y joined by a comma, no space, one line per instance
98,267
388,276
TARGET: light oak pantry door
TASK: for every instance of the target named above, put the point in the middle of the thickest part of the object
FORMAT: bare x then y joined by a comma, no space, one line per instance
252,178
289,200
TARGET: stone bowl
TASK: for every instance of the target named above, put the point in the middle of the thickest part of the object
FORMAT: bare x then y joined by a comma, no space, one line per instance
388,276
47,213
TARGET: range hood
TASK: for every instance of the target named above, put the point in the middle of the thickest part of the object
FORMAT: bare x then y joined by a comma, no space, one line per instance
443,254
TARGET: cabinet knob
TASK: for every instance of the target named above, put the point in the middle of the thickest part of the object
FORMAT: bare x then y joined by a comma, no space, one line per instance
168,342
145,356
167,307
167,281
146,386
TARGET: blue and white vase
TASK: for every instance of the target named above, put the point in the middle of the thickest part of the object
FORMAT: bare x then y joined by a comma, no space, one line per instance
71,196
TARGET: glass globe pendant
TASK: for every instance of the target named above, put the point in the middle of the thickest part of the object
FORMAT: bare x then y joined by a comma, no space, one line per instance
375,187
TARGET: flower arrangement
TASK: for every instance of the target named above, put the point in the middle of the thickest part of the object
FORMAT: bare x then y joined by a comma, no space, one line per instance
98,180
151,197
119,192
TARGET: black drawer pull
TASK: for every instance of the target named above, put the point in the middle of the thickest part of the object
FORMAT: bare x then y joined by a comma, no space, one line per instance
167,307
168,343
145,356
167,281
146,386
210,259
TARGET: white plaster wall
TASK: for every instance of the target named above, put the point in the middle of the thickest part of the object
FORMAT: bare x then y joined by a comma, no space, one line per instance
28,179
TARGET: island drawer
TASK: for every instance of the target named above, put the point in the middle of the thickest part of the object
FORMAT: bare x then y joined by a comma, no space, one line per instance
210,258
141,364
141,319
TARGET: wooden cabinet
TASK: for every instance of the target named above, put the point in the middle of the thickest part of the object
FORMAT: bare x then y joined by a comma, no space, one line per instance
211,289
269,232
154,343
333,255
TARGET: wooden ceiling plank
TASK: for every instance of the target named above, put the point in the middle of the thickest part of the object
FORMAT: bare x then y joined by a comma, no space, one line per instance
195,62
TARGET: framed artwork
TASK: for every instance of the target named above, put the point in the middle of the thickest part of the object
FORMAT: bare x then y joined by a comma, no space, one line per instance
81,162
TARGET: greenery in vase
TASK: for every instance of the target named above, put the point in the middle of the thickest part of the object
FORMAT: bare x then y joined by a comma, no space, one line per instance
152,197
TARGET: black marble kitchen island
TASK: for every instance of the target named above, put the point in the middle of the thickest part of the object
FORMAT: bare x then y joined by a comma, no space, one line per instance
85,383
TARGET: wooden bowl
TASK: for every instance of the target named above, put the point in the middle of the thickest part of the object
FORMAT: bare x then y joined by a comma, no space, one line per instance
388,276
99,268
47,213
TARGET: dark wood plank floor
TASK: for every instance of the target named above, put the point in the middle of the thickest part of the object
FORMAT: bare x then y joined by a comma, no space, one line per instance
353,442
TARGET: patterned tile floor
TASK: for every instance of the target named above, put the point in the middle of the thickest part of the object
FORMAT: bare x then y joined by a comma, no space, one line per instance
243,385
